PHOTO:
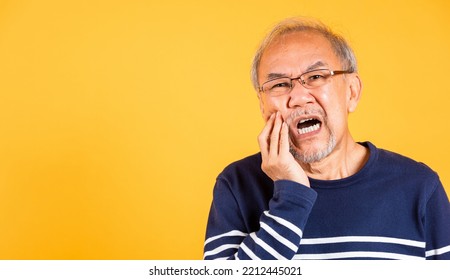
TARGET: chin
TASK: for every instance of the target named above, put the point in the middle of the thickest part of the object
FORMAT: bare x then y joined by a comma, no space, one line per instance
314,154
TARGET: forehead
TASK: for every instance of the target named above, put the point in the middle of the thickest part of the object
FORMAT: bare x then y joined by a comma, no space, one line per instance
294,53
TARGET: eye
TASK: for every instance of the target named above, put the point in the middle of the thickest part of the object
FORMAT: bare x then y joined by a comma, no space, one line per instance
281,85
316,77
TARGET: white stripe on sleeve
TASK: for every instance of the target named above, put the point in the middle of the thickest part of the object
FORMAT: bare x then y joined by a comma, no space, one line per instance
266,247
249,252
220,249
230,233
439,251
278,237
285,223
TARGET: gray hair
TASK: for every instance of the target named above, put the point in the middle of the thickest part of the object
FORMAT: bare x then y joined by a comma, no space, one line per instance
291,25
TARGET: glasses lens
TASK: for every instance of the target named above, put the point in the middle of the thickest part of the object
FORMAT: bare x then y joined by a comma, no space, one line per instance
316,78
278,86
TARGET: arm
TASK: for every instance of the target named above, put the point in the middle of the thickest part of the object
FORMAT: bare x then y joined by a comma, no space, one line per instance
437,225
280,231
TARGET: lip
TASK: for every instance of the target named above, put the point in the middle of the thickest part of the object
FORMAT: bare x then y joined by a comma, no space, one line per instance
295,131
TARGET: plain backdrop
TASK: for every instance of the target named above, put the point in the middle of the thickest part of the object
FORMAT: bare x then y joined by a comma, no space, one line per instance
117,116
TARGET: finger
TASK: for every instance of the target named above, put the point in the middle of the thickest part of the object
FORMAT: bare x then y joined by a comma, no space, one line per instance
284,139
263,138
275,136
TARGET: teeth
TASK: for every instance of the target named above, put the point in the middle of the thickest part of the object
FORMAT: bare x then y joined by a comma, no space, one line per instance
305,120
309,129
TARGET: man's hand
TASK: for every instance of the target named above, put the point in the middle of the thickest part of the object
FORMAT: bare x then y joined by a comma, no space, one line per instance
277,162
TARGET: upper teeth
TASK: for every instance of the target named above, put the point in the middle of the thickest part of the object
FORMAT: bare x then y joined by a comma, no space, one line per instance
305,120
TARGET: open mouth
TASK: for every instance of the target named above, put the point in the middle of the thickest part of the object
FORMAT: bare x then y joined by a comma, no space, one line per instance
308,125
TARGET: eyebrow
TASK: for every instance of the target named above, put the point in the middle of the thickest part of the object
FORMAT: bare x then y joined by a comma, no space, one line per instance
272,76
315,65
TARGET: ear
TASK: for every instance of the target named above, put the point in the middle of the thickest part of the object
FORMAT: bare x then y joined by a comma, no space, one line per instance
354,93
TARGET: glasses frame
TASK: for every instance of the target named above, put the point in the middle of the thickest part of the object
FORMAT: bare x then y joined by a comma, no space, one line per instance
303,82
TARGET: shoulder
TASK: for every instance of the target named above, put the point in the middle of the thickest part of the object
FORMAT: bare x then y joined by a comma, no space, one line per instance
400,164
402,170
248,164
245,174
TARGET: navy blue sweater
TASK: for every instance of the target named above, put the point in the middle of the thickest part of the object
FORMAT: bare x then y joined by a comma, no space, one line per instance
393,208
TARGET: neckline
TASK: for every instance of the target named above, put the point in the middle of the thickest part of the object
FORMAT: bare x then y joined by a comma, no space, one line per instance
345,182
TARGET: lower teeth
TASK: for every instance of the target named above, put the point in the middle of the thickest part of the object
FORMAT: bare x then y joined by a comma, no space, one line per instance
309,129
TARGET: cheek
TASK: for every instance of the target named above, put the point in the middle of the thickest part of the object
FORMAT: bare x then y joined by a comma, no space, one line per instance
270,105
337,117
334,107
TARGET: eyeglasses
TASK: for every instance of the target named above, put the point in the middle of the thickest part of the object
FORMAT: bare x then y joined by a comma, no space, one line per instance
310,79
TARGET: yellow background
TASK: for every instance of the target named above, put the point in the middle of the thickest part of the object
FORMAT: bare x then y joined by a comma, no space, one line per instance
116,116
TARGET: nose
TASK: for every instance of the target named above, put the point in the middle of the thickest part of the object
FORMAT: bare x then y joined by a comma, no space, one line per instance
299,95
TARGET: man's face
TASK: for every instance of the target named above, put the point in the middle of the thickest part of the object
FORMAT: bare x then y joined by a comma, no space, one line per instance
317,118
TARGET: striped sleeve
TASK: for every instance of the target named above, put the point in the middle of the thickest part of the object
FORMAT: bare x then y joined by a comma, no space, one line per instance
437,225
280,227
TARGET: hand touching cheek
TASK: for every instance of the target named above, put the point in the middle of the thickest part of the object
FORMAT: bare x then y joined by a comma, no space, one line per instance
277,162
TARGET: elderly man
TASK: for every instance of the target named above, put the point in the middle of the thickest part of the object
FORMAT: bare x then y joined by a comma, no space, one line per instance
313,192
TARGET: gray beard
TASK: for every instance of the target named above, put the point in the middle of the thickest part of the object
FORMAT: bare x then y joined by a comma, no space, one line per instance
310,157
